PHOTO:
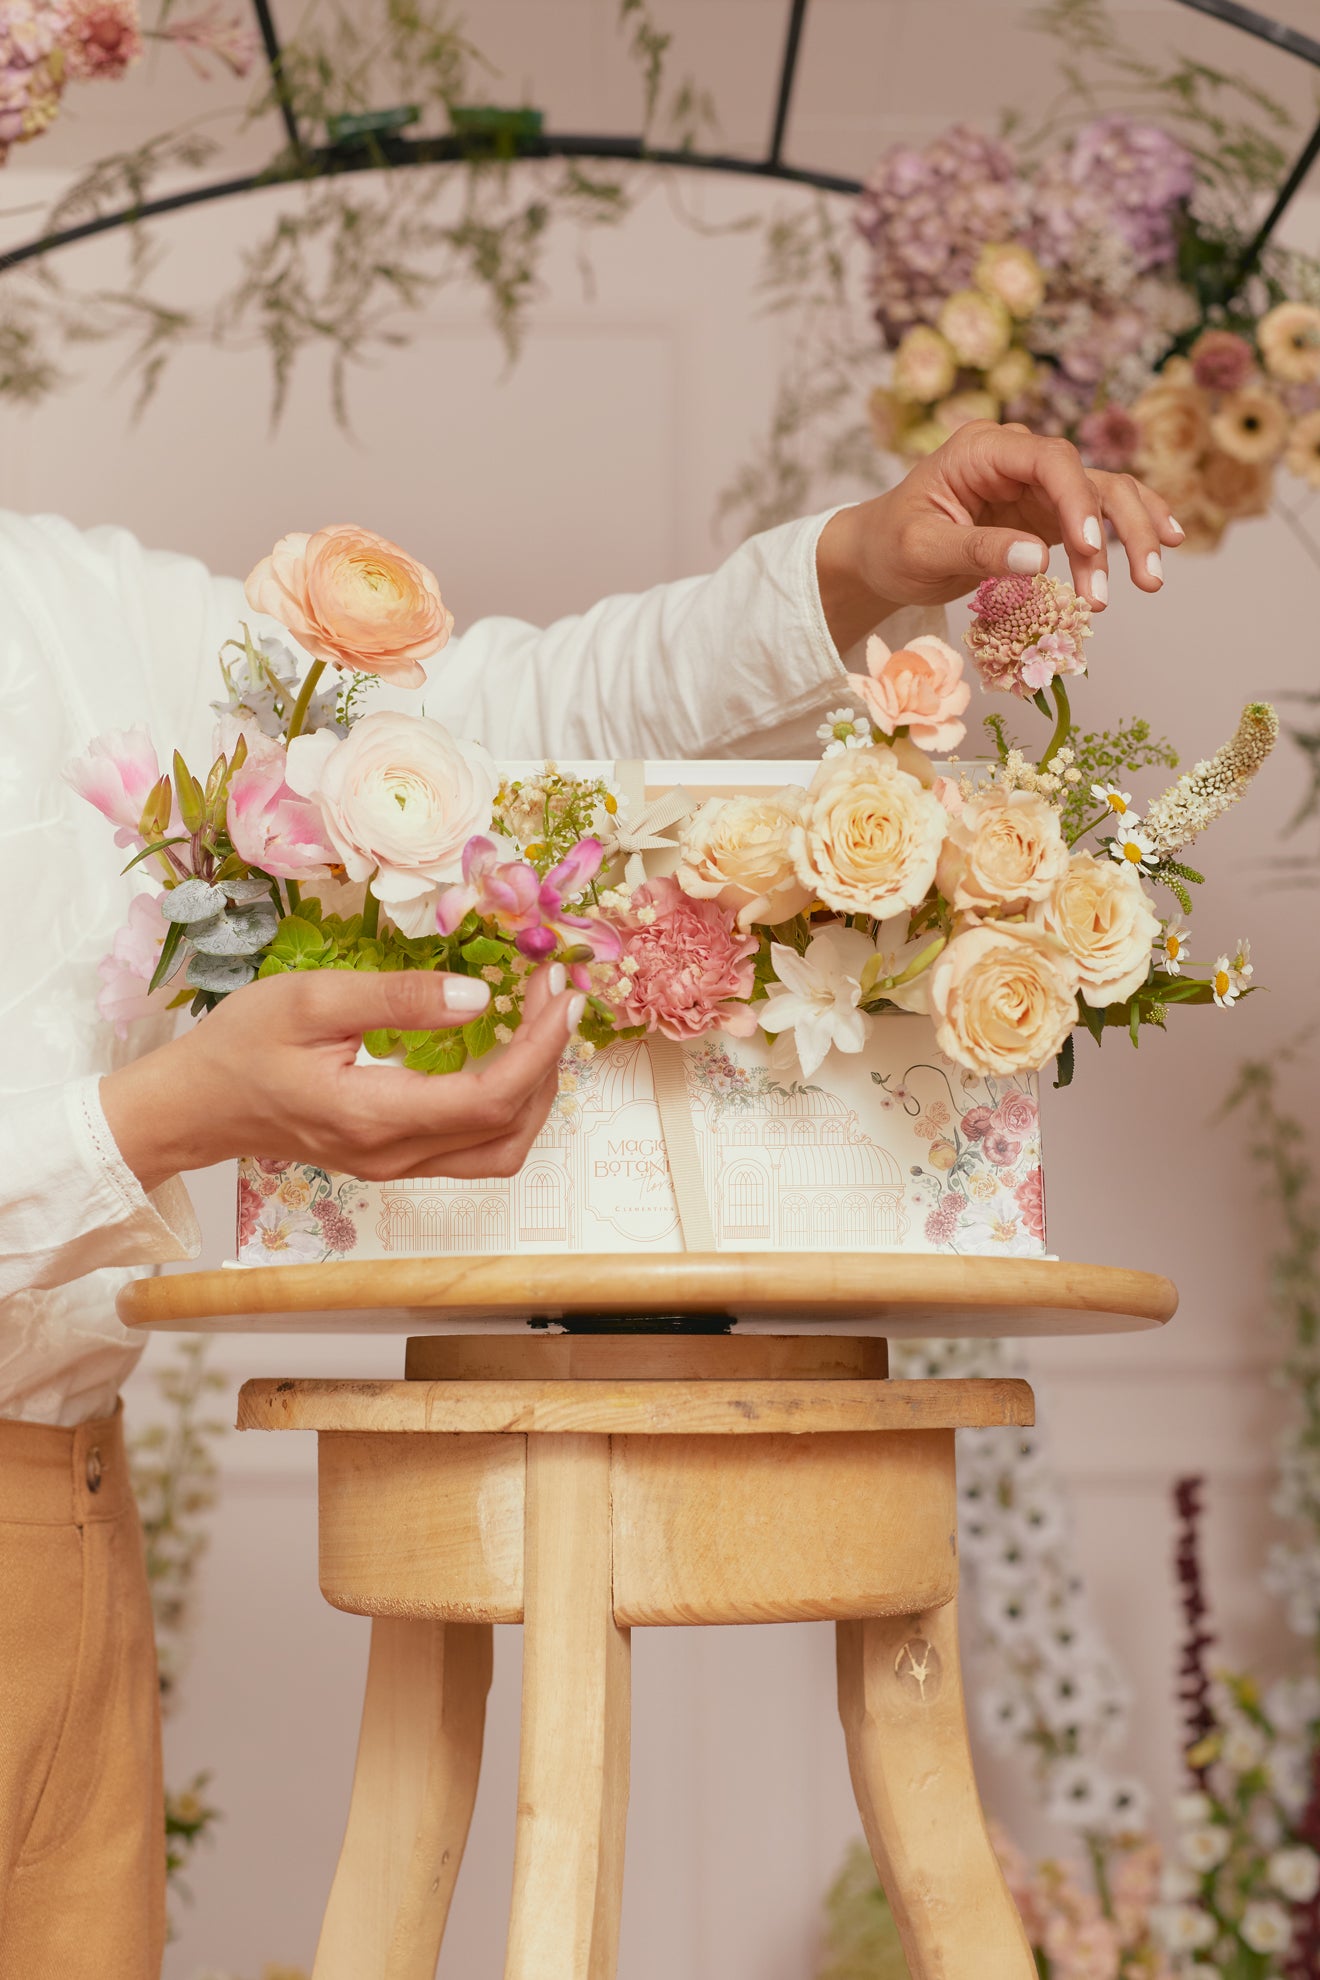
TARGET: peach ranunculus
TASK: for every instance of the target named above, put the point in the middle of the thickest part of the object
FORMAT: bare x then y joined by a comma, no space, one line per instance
1004,849
1104,917
737,851
918,687
400,797
870,835
354,599
1003,997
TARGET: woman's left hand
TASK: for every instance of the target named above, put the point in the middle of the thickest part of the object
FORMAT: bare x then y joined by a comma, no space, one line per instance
988,503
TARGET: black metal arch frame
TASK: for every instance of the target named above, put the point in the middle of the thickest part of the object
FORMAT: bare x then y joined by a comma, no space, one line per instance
304,161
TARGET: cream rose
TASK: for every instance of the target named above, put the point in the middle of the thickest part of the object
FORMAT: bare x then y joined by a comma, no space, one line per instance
1004,849
355,599
400,798
870,835
1103,915
738,851
1003,997
1173,425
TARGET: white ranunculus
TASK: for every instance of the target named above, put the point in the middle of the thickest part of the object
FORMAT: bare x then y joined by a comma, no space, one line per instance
400,797
870,835
816,995
1105,919
737,851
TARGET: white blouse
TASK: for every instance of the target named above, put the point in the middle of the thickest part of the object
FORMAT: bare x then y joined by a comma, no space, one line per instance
98,633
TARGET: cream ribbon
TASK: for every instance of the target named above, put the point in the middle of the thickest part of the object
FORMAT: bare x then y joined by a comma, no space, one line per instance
642,834
668,1063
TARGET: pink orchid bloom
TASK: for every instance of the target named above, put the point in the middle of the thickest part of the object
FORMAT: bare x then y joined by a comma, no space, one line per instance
512,894
116,773
270,826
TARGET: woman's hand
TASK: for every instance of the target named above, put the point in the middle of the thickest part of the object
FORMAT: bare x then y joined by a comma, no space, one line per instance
272,1072
988,503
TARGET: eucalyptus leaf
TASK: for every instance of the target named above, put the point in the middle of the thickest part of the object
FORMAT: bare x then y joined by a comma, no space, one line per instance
219,973
239,934
193,900
247,892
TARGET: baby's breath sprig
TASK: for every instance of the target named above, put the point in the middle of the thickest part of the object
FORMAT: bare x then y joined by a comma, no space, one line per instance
546,815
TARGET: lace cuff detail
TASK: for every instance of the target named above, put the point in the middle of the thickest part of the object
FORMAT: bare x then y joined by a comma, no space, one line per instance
160,1228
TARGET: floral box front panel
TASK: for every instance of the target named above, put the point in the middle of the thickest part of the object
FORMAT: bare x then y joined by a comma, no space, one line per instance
893,1149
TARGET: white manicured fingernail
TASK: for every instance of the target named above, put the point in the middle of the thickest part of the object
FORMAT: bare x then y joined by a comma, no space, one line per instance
1025,559
1100,587
558,979
1155,566
1092,534
576,1011
1175,524
466,993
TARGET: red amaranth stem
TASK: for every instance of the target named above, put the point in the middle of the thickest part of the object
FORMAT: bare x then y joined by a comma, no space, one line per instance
1193,1677
1303,1962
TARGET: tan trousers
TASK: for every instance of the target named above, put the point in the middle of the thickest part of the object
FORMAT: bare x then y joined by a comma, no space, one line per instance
82,1825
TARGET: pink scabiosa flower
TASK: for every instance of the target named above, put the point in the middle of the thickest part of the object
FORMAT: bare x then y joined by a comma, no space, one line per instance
688,970
103,38
533,910
1108,439
116,773
270,826
1026,631
130,965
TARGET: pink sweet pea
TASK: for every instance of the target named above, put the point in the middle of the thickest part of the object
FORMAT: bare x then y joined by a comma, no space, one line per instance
127,970
512,894
270,826
918,687
116,773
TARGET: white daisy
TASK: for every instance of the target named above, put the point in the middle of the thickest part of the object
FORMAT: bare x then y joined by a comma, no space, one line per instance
1119,802
1130,844
844,728
1242,960
1225,983
1171,949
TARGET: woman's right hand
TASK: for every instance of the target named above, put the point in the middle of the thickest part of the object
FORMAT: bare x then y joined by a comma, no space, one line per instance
272,1072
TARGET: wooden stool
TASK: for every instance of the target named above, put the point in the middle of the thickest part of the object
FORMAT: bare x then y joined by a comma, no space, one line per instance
587,1484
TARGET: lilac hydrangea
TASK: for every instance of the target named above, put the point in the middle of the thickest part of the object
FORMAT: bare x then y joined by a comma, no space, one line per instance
1119,177
927,215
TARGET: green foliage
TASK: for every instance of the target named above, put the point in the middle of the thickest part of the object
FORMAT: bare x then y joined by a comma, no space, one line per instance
861,1938
1107,756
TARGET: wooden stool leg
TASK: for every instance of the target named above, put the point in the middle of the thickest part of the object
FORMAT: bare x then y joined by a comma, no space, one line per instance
901,1702
419,1754
573,1772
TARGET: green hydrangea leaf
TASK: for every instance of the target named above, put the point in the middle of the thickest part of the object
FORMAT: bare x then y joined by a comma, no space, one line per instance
484,952
479,1036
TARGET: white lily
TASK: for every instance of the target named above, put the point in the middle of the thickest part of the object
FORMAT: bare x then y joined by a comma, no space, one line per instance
816,995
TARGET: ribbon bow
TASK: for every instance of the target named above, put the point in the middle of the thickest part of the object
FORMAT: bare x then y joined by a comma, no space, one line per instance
643,833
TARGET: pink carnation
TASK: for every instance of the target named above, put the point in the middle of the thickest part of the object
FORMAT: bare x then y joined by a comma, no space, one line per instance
693,971
918,687
1027,630
130,965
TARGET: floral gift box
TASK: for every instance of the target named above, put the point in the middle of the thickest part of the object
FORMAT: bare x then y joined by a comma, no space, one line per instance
812,1000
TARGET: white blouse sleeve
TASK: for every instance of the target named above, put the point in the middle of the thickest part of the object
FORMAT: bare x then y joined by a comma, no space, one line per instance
69,1204
733,664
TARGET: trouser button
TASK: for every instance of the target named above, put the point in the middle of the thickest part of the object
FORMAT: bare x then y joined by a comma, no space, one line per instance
94,1470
